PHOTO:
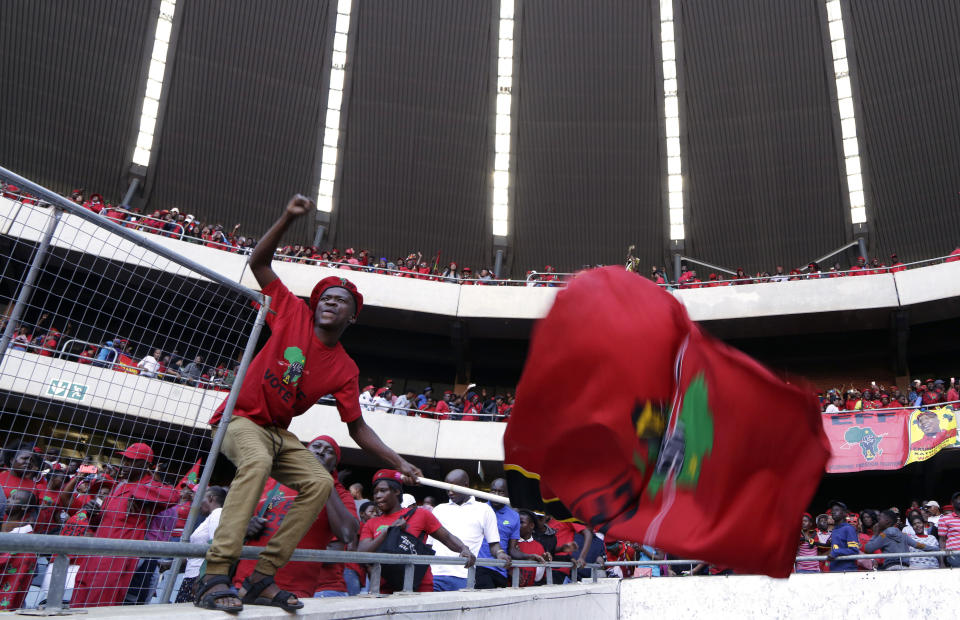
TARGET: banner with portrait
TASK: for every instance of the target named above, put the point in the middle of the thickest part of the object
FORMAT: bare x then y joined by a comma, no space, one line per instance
866,440
930,431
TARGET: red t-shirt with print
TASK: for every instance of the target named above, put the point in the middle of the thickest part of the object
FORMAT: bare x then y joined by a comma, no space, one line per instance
419,522
301,578
294,369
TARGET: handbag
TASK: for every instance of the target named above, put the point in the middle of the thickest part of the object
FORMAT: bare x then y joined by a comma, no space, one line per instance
401,542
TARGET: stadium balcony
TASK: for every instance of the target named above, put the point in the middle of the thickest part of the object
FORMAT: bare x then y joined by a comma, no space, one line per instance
931,291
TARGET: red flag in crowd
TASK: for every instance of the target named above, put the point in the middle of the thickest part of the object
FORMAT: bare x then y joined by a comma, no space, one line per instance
649,430
191,478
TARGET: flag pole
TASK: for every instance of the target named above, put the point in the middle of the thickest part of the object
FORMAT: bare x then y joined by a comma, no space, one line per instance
465,490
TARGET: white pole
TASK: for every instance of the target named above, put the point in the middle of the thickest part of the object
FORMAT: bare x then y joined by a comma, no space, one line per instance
465,490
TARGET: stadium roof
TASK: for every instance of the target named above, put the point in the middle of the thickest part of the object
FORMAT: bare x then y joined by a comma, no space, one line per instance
242,119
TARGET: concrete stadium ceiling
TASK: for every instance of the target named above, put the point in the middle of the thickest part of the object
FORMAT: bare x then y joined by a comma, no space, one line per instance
247,91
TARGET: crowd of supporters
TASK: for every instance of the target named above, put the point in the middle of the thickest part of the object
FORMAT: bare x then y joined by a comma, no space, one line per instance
839,533
43,494
688,277
471,404
119,354
929,393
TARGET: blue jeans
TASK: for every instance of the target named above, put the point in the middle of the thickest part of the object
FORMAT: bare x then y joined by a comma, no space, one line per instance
447,583
329,594
352,580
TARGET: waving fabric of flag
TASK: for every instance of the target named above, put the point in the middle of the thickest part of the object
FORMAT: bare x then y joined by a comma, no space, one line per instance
648,429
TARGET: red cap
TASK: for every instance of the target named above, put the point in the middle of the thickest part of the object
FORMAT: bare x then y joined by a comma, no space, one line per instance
367,387
381,391
138,452
330,440
391,475
330,282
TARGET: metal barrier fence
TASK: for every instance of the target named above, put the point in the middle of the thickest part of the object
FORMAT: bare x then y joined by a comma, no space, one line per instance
171,341
62,548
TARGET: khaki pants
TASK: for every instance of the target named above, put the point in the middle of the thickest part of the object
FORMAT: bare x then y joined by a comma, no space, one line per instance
251,448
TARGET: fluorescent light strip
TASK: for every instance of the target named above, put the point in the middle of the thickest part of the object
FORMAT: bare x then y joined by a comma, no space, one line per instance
671,115
331,130
150,107
845,107
502,126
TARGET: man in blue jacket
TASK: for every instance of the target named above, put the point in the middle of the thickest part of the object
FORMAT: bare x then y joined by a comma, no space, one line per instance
843,540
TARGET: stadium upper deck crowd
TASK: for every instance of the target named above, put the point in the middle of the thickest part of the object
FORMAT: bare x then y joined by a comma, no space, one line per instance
471,404
174,224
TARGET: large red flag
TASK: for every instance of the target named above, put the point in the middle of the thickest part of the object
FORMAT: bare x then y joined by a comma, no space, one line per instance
652,431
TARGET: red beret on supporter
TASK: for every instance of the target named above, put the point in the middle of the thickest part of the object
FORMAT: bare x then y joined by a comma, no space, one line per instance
138,452
330,282
390,475
330,440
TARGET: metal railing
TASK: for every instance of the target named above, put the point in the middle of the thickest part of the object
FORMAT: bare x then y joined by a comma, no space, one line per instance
60,547
111,289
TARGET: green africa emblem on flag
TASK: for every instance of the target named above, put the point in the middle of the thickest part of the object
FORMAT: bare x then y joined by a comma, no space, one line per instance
686,442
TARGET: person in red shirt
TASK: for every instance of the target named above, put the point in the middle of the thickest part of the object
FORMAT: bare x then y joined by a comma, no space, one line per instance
16,569
183,509
387,492
23,465
895,264
87,356
125,514
302,361
860,268
338,517
567,547
95,203
50,342
526,544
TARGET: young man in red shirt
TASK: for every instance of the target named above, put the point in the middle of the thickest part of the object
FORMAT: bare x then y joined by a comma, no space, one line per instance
302,361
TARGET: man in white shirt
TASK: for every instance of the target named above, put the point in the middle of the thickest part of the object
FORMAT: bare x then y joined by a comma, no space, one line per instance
404,402
932,510
383,401
832,407
470,521
366,398
148,365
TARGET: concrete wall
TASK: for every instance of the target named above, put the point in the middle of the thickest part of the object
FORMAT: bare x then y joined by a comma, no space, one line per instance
516,302
583,601
895,595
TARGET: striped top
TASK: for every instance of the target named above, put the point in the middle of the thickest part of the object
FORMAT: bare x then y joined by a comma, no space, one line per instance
949,527
807,550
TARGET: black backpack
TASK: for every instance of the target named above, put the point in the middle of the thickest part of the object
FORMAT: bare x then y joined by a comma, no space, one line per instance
400,541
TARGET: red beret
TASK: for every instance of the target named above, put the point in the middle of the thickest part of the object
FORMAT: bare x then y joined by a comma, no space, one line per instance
138,452
330,440
330,282
390,475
